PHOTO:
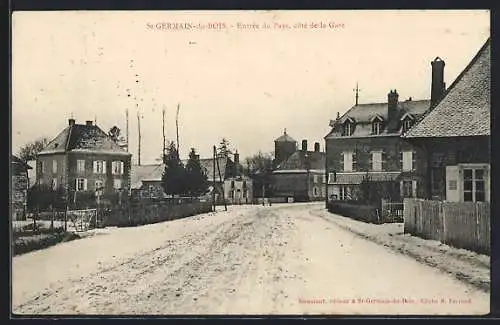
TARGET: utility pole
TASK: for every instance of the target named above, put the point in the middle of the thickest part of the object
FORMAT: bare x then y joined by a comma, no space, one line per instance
126,131
163,130
177,125
222,181
139,134
213,184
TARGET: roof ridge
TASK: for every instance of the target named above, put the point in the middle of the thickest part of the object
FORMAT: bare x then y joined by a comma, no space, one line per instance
451,87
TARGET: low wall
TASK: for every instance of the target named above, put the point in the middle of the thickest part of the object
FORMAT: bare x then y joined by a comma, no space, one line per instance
146,212
356,210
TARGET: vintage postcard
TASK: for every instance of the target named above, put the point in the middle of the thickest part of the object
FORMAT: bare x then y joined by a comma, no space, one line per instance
251,162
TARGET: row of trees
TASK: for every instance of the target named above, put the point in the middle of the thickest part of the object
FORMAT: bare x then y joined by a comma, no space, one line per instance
177,179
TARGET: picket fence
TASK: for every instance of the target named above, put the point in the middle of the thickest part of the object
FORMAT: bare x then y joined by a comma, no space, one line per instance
459,224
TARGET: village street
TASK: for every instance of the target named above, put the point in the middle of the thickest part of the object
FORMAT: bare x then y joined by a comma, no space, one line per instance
283,259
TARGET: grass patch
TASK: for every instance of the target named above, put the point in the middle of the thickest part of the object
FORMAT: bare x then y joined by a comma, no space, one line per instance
25,244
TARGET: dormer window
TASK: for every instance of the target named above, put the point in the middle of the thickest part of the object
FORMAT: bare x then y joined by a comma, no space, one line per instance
377,121
407,122
348,127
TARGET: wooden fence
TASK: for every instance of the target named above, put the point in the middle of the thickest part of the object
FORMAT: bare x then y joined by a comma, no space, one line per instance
459,224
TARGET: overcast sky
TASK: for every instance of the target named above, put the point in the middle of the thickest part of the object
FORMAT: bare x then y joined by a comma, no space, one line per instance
243,84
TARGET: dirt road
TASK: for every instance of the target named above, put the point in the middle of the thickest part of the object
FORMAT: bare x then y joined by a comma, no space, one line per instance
249,260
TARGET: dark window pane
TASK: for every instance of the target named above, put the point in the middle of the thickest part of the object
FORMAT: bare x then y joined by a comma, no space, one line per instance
467,196
468,186
479,174
480,186
479,196
467,173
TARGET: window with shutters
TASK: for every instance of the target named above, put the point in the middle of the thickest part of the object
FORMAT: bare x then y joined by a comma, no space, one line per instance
117,167
81,184
100,167
474,185
344,193
407,160
80,166
54,166
376,161
348,161
117,183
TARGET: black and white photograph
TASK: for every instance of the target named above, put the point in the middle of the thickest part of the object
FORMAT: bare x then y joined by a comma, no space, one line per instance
250,162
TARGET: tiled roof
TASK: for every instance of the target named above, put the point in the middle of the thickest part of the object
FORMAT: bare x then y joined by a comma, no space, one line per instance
81,137
154,172
363,114
18,161
465,107
297,161
285,138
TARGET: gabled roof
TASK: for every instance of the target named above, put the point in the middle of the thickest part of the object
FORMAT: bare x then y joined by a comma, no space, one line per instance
464,109
363,114
19,162
154,172
85,138
297,161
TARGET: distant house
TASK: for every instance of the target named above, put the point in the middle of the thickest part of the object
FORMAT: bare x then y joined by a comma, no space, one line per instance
298,174
455,137
19,187
82,158
366,142
147,179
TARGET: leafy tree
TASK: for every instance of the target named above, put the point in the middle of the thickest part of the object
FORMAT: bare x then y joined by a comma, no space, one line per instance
115,133
30,150
224,149
259,167
195,179
173,178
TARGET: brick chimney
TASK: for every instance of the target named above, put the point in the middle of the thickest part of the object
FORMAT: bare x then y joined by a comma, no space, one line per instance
304,145
316,147
88,123
392,104
71,121
437,83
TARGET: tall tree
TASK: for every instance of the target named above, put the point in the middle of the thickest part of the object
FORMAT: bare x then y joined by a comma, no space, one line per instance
173,178
30,150
195,179
259,168
224,149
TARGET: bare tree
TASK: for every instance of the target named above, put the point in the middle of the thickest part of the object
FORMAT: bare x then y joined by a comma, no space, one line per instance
30,150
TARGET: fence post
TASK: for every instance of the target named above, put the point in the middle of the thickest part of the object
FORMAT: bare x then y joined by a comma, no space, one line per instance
442,210
478,235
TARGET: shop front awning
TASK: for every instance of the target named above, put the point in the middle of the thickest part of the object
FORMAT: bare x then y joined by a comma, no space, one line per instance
357,178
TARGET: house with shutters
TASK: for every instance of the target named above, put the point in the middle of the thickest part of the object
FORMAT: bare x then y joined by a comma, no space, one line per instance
367,142
83,158
454,136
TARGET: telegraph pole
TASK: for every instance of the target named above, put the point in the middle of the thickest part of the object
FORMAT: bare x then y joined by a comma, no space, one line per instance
126,131
139,134
213,183
164,139
177,125
222,181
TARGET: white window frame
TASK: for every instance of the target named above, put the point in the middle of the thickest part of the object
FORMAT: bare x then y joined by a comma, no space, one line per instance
54,166
83,184
331,178
486,180
344,192
80,165
54,183
315,179
407,122
347,128
376,127
115,181
348,161
99,166
407,161
117,167
377,163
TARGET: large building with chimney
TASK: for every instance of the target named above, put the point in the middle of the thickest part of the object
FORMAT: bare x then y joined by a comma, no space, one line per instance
366,143
455,136
298,173
83,159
